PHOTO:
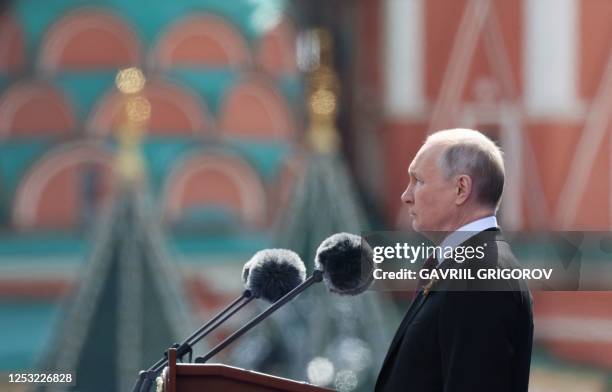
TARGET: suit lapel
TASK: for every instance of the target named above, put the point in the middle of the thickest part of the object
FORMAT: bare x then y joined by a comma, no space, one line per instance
419,305
416,305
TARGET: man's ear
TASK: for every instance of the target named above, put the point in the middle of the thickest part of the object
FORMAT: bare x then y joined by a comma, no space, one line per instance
463,188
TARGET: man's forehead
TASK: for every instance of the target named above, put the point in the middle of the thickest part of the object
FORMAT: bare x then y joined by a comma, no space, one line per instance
425,154
412,167
417,160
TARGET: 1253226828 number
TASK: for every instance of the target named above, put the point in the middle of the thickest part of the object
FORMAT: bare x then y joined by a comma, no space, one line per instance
41,378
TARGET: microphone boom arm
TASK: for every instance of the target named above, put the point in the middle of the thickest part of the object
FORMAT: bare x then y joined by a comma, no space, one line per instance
145,377
316,277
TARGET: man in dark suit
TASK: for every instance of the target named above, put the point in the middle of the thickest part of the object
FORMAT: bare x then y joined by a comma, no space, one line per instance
461,334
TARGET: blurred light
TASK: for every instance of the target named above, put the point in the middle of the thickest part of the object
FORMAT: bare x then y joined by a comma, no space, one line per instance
138,109
308,51
346,380
267,14
320,371
323,102
130,80
354,354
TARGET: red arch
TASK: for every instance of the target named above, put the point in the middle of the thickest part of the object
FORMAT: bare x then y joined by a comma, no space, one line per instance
35,108
254,109
276,49
49,195
216,178
174,111
12,48
88,39
202,40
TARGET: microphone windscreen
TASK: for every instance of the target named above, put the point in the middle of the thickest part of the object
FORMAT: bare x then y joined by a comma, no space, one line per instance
272,273
347,263
246,268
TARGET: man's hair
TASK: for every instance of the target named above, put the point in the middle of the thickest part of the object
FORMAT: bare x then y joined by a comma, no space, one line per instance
467,151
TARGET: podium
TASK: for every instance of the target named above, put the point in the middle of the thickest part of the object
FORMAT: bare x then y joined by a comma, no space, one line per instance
178,377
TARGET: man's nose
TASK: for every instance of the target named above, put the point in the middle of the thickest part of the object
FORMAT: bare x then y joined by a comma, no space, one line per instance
407,196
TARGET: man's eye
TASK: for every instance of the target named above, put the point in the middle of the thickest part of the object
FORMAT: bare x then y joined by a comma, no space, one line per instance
418,181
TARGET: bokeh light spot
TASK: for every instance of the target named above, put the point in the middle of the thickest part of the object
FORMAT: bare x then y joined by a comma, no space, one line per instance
320,371
130,80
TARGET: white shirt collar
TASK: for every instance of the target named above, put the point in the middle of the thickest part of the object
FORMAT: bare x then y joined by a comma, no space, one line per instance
466,231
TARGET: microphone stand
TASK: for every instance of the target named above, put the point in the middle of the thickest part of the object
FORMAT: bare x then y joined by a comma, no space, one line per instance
146,377
316,277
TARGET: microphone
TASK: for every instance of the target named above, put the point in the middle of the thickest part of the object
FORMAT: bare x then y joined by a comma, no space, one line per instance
269,274
344,261
347,263
272,273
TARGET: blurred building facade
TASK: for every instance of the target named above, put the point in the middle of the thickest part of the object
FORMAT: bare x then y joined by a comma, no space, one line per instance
534,75
223,102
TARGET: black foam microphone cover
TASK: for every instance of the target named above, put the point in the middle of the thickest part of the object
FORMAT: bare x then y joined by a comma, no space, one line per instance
272,273
347,263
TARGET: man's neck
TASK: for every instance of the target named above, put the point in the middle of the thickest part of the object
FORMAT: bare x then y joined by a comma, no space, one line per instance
438,236
471,218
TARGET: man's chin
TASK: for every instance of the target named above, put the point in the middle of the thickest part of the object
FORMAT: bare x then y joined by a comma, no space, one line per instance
416,226
431,235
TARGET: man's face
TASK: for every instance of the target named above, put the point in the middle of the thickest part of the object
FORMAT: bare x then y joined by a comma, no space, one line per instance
430,196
